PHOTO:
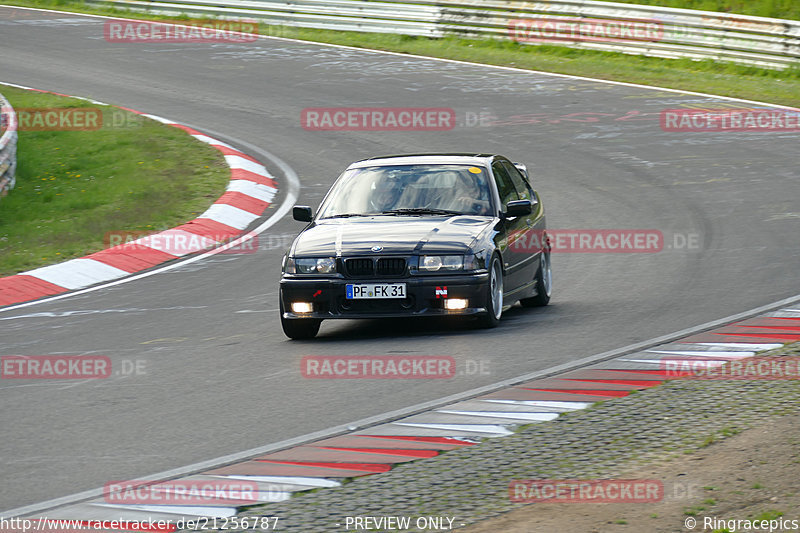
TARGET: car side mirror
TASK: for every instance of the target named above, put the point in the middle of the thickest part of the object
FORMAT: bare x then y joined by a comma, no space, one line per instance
302,213
518,208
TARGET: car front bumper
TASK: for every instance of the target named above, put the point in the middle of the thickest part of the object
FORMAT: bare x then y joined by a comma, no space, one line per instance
327,296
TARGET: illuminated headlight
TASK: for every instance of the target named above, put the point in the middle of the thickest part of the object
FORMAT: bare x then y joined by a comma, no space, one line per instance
302,307
455,303
434,263
311,265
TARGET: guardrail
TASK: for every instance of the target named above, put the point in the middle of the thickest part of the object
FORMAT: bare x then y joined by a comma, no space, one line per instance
8,146
629,28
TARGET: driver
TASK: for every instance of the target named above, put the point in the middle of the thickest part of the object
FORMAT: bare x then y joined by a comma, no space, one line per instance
468,196
385,194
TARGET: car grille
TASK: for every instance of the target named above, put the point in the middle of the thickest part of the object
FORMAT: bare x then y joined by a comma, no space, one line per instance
360,267
384,266
391,266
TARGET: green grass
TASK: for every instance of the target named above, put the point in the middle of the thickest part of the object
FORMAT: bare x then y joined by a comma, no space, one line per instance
132,174
786,9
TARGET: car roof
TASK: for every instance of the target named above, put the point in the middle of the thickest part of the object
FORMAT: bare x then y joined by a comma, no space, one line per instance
422,159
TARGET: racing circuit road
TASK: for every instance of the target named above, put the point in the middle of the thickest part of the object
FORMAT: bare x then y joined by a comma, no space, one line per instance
219,375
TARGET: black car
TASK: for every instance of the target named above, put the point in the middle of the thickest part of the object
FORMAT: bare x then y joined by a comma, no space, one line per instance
418,235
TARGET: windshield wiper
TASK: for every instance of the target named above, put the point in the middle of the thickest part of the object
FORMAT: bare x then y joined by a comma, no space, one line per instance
346,215
421,211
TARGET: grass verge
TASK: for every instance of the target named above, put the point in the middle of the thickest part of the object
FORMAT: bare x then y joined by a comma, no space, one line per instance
727,79
132,174
786,9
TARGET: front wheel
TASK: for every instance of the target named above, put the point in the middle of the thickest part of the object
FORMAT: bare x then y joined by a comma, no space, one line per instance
544,283
299,328
494,295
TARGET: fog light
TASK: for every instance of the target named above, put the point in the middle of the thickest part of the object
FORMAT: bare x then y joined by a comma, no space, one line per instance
455,303
302,307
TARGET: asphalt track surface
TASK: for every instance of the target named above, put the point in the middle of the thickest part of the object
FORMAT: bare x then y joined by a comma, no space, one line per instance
220,377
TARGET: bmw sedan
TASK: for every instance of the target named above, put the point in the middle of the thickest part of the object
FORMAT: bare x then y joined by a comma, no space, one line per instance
418,235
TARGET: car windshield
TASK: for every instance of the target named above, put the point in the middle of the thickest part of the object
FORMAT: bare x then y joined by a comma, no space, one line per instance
410,190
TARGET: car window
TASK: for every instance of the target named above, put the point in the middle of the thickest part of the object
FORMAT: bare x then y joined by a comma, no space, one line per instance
375,190
519,181
505,187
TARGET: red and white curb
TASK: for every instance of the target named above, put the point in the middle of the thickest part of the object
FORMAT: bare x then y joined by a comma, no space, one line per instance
374,450
249,193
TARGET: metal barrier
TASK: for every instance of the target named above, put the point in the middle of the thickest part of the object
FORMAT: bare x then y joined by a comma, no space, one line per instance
616,27
8,146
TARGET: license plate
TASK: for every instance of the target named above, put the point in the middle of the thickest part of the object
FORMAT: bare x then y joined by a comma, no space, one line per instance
371,291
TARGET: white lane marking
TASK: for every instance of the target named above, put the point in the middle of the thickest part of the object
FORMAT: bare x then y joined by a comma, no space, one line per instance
793,312
741,345
188,510
497,431
288,480
212,141
159,119
665,362
540,417
239,162
77,273
712,354
544,403
230,216
265,193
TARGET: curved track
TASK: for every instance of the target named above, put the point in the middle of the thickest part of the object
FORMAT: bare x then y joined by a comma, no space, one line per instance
219,374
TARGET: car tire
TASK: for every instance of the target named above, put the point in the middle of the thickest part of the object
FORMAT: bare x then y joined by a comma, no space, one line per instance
299,328
494,294
544,283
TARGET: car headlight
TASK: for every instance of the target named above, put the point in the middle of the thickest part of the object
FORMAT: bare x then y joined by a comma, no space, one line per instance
311,265
435,263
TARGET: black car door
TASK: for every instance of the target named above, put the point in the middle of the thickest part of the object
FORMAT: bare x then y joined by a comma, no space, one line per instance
513,229
529,246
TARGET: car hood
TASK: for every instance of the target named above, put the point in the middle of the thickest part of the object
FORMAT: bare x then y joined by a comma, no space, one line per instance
395,234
